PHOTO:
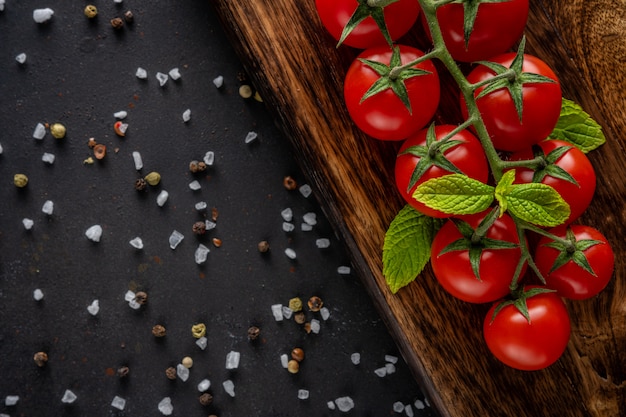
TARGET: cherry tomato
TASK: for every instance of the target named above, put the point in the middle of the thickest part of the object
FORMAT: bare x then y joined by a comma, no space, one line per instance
467,156
454,271
400,16
571,165
531,343
496,29
585,272
541,105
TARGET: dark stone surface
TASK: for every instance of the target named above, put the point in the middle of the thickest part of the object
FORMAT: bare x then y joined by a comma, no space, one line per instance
79,72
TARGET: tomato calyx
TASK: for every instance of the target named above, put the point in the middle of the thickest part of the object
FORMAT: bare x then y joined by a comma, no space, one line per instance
547,164
475,242
391,78
512,78
470,11
365,9
519,300
573,250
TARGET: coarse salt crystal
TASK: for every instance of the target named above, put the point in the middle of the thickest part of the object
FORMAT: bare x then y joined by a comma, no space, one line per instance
94,307
175,238
118,402
419,404
42,15
129,296
287,214
250,137
136,243
48,207
137,160
174,74
306,227
288,227
325,313
218,81
229,387
201,254
94,233
182,372
291,254
120,114
21,58
209,158
38,295
195,185
408,410
11,400
204,385
232,360
2,5
28,223
186,115
162,198
391,359
287,312
39,132
303,394
165,406
162,78
330,405
209,225
305,190
141,73
322,243
201,205
343,270
390,368
398,407
277,312
68,397
310,218
315,326
202,342
355,358
284,360
344,404
381,372
48,158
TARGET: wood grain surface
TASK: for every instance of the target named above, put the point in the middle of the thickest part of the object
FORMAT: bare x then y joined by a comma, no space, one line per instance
294,64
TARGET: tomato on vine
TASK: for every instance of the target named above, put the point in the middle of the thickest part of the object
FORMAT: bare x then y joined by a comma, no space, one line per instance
475,265
387,102
529,332
358,24
578,268
478,30
565,168
522,106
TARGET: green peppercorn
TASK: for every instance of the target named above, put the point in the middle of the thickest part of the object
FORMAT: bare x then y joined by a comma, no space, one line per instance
57,130
91,11
153,178
295,304
20,180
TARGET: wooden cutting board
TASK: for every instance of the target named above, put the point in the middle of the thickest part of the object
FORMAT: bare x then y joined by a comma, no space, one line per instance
294,64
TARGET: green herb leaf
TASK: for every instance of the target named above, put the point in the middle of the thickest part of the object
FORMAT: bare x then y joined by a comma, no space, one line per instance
534,203
578,128
455,194
406,249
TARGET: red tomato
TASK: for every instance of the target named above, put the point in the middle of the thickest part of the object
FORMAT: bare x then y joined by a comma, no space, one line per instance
496,29
574,162
541,106
399,18
529,344
572,280
454,271
467,156
384,116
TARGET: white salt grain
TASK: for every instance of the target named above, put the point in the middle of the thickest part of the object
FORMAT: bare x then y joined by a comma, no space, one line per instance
310,218
201,254
419,404
381,372
28,223
287,312
21,58
218,81
42,15
202,342
288,227
162,78
118,402
287,214
209,225
390,368
204,385
322,243
187,115
48,158
330,405
306,227
68,397
120,114
209,158
1,5
391,359
232,360
39,132
11,400
284,360
162,198
343,270
303,394
305,190
129,296
137,160
175,238
136,243
94,233
291,254
195,185
325,313
141,73
277,312
408,410
344,404
182,372
201,205
38,295
229,387
117,1
355,358
398,407
165,406
250,137
48,207
174,74
315,326
94,307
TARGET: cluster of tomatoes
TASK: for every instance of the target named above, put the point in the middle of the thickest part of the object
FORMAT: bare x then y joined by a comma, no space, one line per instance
392,92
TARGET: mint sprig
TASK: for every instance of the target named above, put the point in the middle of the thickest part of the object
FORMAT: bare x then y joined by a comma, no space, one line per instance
455,194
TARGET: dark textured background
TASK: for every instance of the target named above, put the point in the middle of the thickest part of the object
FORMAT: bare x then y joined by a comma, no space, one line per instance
79,72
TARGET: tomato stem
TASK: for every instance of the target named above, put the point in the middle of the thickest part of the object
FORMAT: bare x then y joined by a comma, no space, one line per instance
379,3
509,75
396,71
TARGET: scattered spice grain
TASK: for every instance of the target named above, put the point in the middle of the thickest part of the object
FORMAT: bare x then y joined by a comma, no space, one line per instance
170,373
199,228
205,399
117,23
41,358
293,366
99,151
315,304
123,371
217,242
57,130
198,330
140,184
20,180
141,297
158,331
129,17
253,333
91,11
263,246
289,183
299,317
297,354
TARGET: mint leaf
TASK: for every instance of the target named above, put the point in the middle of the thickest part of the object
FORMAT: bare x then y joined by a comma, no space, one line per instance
455,194
578,128
538,204
406,249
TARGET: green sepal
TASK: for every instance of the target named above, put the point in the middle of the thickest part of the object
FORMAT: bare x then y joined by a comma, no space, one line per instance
551,169
455,194
470,11
578,128
362,12
406,248
519,301
574,252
